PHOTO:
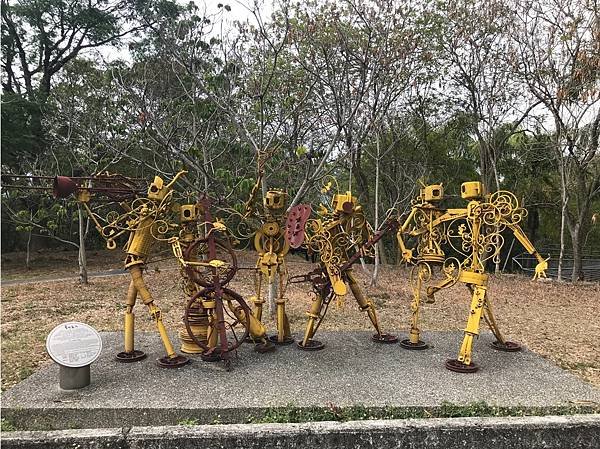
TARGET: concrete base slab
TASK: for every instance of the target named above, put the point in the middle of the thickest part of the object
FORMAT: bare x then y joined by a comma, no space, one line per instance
351,370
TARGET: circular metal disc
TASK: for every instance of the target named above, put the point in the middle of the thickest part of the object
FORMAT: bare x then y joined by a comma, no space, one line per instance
420,345
173,362
507,346
460,367
311,345
384,338
129,357
286,341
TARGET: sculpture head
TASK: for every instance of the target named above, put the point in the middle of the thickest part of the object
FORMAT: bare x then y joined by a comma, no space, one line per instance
472,190
275,200
344,202
432,193
157,191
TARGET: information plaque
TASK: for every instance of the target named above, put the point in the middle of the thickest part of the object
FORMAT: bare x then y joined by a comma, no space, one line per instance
74,346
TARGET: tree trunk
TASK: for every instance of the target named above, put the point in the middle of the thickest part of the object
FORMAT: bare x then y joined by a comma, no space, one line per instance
577,274
83,274
28,254
563,216
376,261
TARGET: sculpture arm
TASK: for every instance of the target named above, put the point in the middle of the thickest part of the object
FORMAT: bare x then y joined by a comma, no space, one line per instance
542,266
406,253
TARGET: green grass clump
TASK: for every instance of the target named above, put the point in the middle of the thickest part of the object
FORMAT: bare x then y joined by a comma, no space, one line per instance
6,426
294,414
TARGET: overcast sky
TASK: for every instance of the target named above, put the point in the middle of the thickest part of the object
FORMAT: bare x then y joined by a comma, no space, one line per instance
241,10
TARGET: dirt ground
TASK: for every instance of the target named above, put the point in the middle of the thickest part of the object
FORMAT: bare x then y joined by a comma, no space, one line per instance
560,321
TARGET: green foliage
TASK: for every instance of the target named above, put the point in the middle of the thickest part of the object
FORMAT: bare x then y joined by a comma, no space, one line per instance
20,130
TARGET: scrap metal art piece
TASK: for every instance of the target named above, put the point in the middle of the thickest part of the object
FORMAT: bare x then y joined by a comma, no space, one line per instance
339,236
475,235
217,319
144,220
272,247
264,228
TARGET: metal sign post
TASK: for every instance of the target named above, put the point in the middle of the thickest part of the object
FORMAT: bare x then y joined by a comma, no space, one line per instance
74,346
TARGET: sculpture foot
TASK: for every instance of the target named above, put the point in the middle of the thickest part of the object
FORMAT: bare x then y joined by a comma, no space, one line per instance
507,346
420,345
286,340
172,362
311,345
460,367
384,338
129,357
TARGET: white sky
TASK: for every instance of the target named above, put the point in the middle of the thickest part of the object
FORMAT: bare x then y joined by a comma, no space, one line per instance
241,10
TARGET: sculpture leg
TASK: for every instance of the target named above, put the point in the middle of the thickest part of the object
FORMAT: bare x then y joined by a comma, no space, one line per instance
130,354
314,314
463,363
172,359
212,337
256,330
414,342
283,336
258,301
501,344
367,305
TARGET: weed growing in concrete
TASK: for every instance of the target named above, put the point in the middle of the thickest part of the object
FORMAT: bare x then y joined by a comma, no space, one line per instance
6,426
188,422
294,414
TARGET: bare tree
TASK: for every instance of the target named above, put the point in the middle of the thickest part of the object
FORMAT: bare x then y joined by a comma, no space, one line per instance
557,55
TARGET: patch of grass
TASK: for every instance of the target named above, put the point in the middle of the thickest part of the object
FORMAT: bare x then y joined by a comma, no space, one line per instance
188,422
25,372
293,414
6,426
578,365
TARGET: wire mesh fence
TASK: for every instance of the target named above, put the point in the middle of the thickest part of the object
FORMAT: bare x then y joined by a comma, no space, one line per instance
590,263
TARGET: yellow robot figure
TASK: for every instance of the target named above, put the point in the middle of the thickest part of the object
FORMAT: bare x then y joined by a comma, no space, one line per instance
339,237
429,255
272,247
145,220
474,232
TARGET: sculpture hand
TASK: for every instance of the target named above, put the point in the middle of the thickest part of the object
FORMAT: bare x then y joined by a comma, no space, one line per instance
540,270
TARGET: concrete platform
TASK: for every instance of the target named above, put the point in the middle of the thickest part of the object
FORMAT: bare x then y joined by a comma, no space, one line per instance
351,370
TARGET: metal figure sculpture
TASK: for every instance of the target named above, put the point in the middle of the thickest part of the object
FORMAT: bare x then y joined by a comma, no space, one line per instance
144,220
475,234
340,236
264,226
210,263
272,247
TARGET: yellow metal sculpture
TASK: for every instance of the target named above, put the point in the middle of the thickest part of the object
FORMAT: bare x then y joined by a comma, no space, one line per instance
144,220
339,236
272,247
473,233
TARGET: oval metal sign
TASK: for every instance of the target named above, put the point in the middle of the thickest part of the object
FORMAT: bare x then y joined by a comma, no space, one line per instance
74,344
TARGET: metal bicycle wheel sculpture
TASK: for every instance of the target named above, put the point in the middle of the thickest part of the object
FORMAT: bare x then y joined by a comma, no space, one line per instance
209,264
